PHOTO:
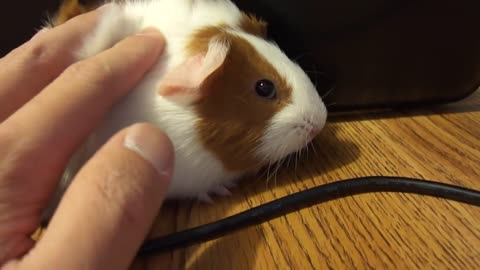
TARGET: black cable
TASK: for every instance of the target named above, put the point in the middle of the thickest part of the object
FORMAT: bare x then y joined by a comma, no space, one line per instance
305,199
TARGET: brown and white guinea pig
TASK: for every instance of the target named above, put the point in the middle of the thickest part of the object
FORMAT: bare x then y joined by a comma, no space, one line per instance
230,101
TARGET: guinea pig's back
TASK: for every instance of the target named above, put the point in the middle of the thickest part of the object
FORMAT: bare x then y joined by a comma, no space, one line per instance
178,19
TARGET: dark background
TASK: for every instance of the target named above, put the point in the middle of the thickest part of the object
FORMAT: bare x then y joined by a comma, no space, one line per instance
377,52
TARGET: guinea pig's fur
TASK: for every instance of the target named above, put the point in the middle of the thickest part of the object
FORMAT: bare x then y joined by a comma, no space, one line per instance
202,92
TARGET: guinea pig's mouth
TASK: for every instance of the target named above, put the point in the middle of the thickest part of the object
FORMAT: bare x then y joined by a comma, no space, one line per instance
288,137
307,132
295,140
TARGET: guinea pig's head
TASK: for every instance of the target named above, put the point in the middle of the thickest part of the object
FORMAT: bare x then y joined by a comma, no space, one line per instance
255,105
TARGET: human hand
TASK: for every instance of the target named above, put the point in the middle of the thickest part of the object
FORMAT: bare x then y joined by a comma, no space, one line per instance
48,105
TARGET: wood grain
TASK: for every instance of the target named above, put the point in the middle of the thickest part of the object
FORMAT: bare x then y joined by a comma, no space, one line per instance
370,231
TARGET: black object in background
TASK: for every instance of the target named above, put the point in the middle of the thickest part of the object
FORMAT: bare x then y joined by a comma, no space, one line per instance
20,20
381,53
378,53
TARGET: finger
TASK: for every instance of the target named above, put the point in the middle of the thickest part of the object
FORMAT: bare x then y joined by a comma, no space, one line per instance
58,119
32,66
110,206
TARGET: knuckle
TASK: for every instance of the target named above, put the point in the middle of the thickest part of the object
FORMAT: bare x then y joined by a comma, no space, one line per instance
36,54
39,56
96,71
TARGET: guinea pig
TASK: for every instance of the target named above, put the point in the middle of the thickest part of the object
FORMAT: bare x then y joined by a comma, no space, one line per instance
230,100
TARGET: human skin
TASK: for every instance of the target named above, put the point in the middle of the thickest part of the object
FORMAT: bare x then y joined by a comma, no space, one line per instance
50,103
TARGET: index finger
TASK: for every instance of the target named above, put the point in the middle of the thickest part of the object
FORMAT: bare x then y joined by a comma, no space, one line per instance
28,69
72,106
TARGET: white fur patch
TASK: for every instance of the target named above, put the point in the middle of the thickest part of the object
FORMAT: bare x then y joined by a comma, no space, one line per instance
114,26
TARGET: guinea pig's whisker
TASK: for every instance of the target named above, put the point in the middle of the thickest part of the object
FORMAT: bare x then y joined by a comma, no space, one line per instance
275,173
307,147
302,153
260,174
328,93
268,173
276,167
315,72
301,56
281,163
289,159
314,149
265,171
296,160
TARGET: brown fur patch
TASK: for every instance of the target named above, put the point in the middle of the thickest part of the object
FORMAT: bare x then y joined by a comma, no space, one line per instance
253,25
72,8
233,116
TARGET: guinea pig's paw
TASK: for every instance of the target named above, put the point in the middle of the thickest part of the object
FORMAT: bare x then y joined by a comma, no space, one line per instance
230,185
205,198
220,190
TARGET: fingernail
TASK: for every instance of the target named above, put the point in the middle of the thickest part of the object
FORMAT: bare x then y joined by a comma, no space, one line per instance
152,147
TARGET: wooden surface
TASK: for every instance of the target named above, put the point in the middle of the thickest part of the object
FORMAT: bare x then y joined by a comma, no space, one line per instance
370,231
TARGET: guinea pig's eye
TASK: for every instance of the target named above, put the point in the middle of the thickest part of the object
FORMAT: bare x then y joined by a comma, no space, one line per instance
266,89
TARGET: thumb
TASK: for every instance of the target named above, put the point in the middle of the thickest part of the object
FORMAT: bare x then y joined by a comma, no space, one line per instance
109,208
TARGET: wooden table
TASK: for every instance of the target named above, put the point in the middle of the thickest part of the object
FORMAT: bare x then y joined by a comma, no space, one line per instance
370,231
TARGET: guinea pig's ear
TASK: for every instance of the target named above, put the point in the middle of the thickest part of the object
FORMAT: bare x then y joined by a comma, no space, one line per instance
253,25
183,83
